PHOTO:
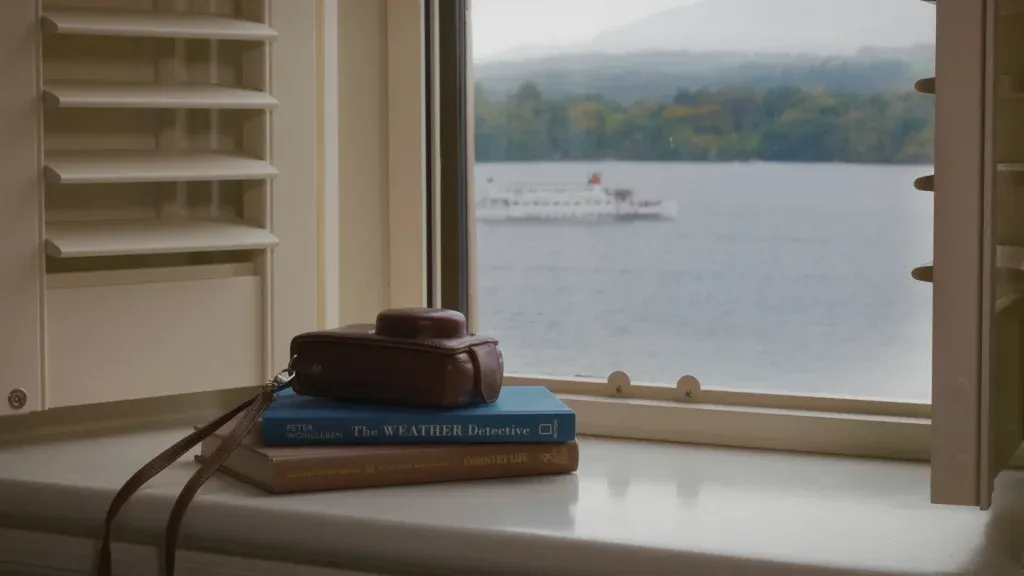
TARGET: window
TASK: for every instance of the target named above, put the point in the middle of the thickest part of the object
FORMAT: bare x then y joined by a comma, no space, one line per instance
361,140
770,193
758,220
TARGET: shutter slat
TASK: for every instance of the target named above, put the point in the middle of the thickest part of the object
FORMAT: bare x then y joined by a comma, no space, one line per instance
1009,267
90,239
96,95
132,166
93,22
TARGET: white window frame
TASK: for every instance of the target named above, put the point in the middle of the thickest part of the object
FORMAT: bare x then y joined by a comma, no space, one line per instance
904,430
616,406
374,216
366,165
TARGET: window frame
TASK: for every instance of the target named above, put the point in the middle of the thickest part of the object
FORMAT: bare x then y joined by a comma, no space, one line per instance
618,407
293,282
373,180
374,222
455,160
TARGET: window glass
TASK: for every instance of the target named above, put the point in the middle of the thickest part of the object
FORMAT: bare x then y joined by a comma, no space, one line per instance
716,188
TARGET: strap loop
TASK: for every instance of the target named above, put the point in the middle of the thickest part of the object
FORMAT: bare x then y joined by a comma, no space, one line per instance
487,365
253,408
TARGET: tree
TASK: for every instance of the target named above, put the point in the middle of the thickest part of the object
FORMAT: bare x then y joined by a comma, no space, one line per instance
782,123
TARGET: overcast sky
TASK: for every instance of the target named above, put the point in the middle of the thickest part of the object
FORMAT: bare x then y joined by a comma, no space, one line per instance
499,25
513,29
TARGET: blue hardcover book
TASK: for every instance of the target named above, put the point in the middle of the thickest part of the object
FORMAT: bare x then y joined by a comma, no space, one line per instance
522,414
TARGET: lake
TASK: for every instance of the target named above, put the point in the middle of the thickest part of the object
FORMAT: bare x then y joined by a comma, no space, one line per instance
775,277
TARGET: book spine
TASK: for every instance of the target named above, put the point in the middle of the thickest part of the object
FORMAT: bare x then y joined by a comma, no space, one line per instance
424,465
465,429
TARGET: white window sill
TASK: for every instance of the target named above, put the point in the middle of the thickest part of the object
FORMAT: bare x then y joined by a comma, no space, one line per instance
633,508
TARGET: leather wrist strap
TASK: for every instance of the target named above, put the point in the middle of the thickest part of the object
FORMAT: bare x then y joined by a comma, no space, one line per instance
251,411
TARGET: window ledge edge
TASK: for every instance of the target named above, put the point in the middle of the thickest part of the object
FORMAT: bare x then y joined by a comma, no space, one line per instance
64,488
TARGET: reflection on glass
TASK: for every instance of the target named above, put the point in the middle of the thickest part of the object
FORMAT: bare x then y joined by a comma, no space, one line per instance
707,187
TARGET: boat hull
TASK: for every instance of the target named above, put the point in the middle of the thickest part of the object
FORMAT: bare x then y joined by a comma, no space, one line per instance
665,211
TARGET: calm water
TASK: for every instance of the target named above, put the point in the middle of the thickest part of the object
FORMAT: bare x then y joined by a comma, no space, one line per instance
775,277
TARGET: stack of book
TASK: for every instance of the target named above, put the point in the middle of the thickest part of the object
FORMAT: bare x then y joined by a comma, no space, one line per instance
305,444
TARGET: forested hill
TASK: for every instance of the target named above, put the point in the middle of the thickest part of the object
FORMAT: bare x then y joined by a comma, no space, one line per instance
861,109
658,75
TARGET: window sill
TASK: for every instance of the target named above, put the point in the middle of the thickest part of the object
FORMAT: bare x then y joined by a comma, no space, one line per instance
634,507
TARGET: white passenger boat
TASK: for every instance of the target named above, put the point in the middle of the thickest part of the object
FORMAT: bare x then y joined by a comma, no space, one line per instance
590,201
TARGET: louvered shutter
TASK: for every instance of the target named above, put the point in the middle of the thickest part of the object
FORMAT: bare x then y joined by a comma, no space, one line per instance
977,274
1002,397
143,184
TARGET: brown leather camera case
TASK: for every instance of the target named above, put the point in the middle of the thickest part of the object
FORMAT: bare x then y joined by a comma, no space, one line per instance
410,356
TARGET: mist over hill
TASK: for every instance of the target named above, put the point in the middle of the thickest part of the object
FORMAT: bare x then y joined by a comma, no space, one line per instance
838,45
658,75
805,26
834,27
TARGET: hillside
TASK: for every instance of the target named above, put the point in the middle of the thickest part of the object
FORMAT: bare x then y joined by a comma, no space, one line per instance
730,124
660,74
836,27
722,80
